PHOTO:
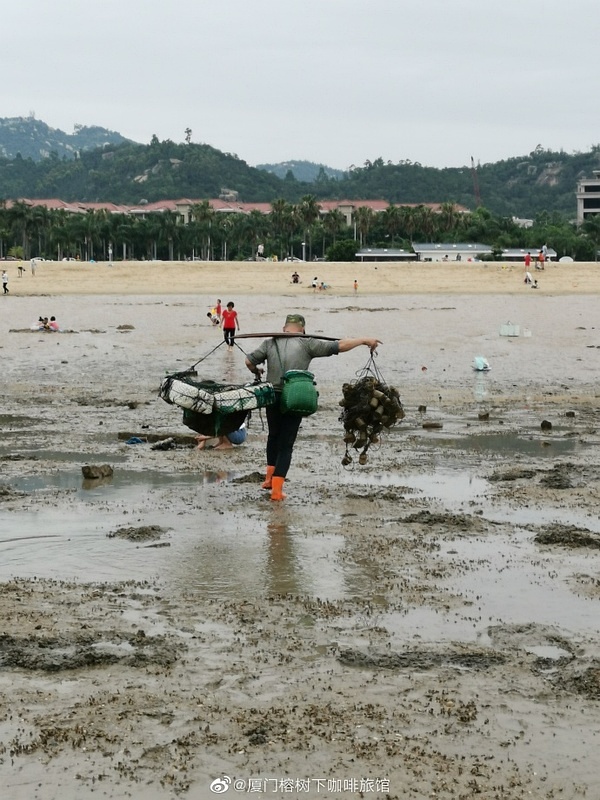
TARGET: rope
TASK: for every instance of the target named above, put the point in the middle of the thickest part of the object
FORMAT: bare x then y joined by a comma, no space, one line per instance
370,368
200,360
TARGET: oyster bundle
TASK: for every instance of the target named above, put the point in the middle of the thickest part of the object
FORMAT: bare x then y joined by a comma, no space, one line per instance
369,407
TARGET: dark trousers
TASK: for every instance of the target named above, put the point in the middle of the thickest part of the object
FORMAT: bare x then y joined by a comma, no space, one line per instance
283,430
229,335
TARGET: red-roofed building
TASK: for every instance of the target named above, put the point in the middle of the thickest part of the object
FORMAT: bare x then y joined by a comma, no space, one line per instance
183,207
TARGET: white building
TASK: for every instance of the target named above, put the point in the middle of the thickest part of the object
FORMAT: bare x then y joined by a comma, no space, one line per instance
459,251
588,197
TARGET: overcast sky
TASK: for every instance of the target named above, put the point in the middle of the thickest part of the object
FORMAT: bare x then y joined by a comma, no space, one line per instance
331,81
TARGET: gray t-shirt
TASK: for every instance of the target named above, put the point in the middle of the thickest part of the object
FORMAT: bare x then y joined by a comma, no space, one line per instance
294,352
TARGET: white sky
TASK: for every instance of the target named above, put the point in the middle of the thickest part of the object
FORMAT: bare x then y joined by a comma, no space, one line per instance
331,81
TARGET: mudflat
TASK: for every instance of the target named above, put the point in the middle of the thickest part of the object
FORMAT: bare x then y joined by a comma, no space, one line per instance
423,625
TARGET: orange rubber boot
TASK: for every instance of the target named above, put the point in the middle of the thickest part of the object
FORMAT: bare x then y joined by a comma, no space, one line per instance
277,488
267,482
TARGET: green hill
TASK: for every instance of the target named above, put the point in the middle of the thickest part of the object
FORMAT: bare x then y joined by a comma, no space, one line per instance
32,138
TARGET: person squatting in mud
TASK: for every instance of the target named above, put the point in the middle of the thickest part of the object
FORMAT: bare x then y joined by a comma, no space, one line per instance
283,354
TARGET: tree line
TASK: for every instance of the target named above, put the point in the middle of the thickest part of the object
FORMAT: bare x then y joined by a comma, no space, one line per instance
128,173
288,230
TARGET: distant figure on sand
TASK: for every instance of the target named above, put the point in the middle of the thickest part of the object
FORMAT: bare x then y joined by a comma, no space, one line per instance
213,318
355,286
315,284
53,324
33,265
528,278
295,278
5,281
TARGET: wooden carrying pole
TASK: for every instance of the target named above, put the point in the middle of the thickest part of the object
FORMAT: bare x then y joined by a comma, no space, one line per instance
284,335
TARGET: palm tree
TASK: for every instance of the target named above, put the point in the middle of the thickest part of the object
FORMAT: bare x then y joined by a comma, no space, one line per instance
20,219
225,225
203,213
426,221
168,231
308,211
392,221
334,222
281,211
40,223
449,217
363,218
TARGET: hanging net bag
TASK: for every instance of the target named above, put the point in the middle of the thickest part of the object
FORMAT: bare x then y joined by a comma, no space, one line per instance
370,407
214,409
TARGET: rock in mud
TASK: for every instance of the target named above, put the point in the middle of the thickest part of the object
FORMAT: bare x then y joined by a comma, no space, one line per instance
95,471
144,533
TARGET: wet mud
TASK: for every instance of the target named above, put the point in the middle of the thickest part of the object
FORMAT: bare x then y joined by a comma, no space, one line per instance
425,624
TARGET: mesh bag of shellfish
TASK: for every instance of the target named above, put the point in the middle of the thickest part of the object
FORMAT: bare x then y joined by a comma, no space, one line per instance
370,408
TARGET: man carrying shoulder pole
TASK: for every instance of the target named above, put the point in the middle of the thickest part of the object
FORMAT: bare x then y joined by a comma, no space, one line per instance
282,354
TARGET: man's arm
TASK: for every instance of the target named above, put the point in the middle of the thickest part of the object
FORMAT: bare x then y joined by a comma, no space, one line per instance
253,368
350,344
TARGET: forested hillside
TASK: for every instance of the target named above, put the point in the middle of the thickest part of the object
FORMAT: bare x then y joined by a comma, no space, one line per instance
525,186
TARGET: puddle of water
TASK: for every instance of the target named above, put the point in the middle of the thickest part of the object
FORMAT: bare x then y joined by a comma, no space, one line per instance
544,515
211,553
123,483
545,446
448,486
261,558
513,582
550,652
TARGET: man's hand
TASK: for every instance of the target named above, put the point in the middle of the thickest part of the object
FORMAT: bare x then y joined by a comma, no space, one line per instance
372,344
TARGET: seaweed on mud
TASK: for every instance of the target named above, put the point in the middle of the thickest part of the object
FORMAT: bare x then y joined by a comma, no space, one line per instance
559,477
580,681
421,659
75,651
568,536
512,474
455,521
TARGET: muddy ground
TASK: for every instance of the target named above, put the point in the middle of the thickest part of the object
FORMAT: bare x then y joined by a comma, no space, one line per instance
422,626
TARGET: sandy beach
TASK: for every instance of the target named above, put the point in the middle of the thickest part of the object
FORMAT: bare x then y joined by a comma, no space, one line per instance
425,625
243,277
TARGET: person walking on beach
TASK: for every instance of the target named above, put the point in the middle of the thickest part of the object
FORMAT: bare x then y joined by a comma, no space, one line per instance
5,281
33,265
527,262
218,309
230,323
281,355
355,286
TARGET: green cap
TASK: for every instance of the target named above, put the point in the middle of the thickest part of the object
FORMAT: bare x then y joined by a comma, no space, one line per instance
295,319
